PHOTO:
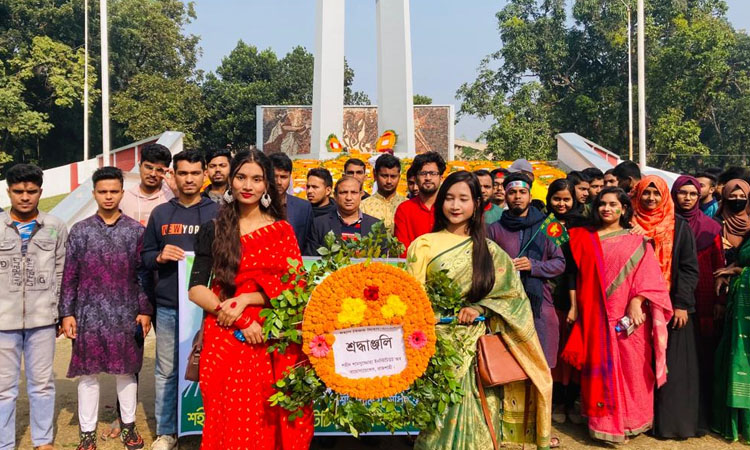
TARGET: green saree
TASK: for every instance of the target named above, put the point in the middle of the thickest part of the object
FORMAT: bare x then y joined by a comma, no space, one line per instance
509,313
731,399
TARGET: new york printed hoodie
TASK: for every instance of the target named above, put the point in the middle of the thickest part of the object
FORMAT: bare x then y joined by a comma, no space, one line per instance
175,224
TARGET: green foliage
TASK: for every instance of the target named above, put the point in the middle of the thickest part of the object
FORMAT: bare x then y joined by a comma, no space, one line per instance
421,406
444,294
152,104
422,100
249,77
557,74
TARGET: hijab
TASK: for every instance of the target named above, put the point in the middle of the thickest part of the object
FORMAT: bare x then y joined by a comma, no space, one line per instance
736,225
658,223
705,229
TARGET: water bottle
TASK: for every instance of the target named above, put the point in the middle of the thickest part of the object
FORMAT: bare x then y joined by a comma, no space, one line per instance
625,325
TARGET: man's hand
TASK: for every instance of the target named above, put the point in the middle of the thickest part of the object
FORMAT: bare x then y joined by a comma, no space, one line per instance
680,318
69,327
522,264
467,315
169,179
145,322
254,333
170,253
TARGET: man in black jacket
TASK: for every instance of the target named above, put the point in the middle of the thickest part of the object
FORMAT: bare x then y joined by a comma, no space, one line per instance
299,213
346,221
170,233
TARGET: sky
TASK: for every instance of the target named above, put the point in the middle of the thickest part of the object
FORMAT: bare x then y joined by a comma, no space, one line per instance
449,39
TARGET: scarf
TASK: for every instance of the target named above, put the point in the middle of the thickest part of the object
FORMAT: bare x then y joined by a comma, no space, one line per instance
704,228
589,345
736,225
527,226
659,223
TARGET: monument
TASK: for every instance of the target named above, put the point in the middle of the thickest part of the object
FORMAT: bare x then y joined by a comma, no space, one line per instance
302,131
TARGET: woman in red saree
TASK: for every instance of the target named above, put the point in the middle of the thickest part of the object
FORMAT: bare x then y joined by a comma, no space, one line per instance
242,256
618,275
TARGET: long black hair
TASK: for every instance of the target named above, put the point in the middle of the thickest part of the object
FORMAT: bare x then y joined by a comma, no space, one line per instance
227,248
622,197
483,267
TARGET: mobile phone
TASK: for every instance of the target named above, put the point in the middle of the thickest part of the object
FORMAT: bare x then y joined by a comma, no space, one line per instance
139,340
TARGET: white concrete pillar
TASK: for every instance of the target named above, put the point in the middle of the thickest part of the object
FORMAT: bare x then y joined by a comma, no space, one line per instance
328,81
395,91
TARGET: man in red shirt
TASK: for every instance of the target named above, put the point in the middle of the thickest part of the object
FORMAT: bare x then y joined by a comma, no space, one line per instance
415,216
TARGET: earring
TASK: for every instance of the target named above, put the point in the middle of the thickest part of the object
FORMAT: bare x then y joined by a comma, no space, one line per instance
228,196
265,200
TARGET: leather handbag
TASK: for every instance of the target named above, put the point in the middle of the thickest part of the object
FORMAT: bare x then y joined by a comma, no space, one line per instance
192,371
496,366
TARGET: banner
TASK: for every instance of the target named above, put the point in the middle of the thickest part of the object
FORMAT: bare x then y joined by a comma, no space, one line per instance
190,413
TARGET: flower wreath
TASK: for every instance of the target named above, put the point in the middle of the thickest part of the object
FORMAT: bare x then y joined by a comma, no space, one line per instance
388,298
363,295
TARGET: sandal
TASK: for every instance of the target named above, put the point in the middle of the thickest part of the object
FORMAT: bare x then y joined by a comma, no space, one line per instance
113,432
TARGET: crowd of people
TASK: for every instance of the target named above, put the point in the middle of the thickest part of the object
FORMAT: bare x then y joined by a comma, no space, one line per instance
634,323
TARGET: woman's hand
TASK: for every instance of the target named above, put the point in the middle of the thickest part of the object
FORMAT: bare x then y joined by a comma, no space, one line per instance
729,271
572,314
637,230
722,285
254,333
467,315
231,309
145,322
635,311
680,318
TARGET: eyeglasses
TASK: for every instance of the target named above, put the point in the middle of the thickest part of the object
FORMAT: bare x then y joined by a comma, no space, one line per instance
149,168
426,173
688,194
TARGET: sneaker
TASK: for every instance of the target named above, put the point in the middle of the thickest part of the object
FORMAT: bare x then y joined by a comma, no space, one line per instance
88,441
165,442
130,437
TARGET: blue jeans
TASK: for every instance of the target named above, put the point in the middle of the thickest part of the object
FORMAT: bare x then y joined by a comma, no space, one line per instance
37,347
166,370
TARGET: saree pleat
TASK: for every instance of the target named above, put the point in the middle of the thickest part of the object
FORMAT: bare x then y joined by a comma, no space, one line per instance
731,399
509,313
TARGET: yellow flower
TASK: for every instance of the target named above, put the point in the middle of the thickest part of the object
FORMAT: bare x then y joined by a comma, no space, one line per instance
352,310
393,307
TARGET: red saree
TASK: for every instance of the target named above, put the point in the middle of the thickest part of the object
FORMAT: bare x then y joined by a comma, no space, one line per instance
236,377
617,379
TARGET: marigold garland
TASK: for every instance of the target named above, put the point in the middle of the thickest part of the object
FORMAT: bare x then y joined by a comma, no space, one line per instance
393,298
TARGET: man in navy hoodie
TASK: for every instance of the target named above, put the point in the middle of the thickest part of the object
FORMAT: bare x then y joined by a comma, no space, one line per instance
170,233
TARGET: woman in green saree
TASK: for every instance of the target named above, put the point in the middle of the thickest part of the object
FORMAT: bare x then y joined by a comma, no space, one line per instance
731,400
492,288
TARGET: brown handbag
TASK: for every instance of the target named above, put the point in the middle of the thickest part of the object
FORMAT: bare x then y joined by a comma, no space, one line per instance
496,366
192,371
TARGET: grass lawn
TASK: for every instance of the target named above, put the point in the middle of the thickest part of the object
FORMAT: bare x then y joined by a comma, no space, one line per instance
46,204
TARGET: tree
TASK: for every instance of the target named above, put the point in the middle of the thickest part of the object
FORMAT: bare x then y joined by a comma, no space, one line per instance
249,77
422,100
697,67
152,104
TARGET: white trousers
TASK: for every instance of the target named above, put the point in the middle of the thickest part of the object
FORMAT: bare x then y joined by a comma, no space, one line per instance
88,399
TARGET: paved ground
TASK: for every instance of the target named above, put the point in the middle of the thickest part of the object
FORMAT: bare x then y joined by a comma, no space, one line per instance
573,437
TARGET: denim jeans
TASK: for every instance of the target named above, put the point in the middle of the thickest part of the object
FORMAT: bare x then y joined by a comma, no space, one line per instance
37,348
166,370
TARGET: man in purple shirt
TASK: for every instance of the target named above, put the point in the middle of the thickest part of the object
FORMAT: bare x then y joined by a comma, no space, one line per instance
536,258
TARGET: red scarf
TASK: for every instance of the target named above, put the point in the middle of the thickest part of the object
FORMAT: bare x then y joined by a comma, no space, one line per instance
589,348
